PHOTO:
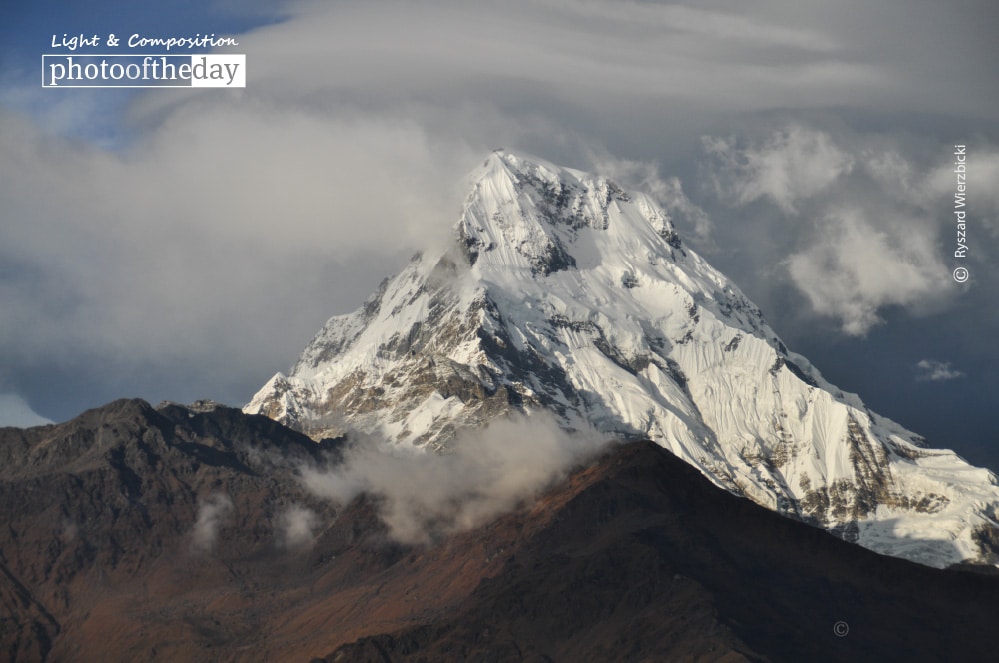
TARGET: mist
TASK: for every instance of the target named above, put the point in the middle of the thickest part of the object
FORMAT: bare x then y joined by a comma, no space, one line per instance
295,528
212,513
487,472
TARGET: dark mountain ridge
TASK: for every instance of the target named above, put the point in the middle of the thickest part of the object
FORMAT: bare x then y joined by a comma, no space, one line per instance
635,557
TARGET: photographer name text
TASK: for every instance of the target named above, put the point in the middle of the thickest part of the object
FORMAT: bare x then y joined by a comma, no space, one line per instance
960,213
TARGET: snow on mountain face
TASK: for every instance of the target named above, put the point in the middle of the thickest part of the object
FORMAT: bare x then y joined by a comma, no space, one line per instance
564,293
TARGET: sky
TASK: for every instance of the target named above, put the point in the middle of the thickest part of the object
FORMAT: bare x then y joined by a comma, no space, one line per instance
178,244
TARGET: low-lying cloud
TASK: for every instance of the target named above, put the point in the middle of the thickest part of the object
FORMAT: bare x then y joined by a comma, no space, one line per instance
212,514
489,471
295,528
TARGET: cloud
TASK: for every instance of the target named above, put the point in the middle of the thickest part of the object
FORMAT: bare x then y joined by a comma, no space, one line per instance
212,514
488,472
856,268
15,411
982,193
624,50
866,219
791,164
151,256
934,371
295,528
69,531
189,245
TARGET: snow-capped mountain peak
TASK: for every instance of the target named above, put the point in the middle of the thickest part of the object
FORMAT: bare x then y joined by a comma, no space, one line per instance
563,292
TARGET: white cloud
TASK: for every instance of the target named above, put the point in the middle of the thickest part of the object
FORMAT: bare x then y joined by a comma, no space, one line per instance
209,234
866,224
489,471
212,514
893,172
857,267
295,528
15,411
791,164
934,371
224,223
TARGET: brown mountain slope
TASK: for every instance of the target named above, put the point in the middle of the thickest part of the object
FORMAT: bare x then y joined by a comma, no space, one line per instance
645,559
636,557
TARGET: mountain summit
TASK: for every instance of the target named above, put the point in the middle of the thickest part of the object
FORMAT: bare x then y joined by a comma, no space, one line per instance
562,292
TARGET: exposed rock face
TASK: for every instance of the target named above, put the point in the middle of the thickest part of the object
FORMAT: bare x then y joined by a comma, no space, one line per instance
564,293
